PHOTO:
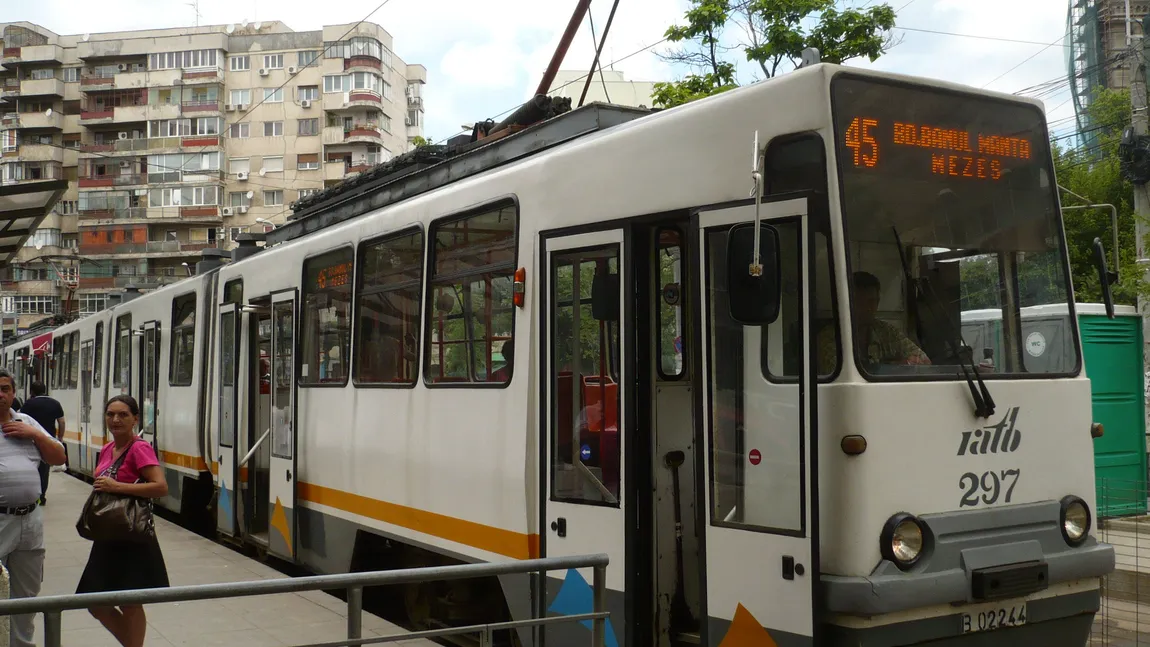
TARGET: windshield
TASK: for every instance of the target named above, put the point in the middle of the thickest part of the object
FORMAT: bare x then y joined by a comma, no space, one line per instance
954,239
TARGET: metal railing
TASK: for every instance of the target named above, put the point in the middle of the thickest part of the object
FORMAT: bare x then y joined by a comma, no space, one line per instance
1123,618
353,583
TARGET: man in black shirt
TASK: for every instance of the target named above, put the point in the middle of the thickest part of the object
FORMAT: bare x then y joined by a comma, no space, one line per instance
48,412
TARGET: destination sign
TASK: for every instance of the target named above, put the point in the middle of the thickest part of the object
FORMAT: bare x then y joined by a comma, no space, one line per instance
333,276
873,143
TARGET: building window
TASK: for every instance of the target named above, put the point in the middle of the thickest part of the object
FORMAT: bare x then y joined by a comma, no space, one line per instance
308,92
333,84
239,199
36,305
471,321
303,193
385,123
326,329
273,198
273,61
182,60
307,161
308,127
240,63
239,165
386,90
239,131
273,164
273,96
307,58
44,236
183,341
387,312
273,129
92,303
71,75
241,97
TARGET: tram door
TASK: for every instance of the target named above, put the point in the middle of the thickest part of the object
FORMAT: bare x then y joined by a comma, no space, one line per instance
85,405
254,447
149,382
282,473
229,420
585,341
761,510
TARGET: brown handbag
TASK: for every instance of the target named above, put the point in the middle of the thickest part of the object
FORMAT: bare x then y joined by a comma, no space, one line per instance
116,517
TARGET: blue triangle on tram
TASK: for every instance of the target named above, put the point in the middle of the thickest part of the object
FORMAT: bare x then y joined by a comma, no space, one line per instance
225,501
576,597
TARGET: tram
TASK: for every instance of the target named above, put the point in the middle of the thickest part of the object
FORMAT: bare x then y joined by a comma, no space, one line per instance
741,377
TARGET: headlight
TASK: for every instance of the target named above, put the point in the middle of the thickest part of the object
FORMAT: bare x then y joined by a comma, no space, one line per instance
1075,518
903,540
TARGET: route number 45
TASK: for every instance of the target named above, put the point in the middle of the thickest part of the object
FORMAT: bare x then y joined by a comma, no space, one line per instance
859,138
989,486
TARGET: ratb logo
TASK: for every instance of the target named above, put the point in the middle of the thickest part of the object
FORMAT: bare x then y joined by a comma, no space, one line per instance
1002,438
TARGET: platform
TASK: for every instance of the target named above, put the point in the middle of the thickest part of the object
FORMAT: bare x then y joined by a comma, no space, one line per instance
261,621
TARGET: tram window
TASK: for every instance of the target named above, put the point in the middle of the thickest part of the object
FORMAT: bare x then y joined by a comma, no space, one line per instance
74,360
671,315
584,382
58,361
122,346
98,359
183,345
471,322
326,325
234,291
749,415
389,281
798,163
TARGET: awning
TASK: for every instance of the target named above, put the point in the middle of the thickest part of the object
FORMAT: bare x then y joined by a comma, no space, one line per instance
23,207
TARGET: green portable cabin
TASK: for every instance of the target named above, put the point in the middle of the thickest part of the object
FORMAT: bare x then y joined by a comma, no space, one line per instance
1112,352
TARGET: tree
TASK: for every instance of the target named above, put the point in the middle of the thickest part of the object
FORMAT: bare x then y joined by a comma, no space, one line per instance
772,35
1095,174
418,141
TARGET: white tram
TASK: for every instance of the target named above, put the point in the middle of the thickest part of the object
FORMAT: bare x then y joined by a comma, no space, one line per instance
420,385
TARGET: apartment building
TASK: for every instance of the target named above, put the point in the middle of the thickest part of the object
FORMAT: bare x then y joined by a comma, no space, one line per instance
177,140
607,86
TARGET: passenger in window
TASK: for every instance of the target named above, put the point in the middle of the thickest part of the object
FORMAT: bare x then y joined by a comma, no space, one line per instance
504,372
878,341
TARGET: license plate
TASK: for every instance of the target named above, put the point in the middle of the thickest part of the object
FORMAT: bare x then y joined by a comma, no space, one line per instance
989,618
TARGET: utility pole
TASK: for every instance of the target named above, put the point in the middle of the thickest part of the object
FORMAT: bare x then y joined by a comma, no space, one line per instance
1139,121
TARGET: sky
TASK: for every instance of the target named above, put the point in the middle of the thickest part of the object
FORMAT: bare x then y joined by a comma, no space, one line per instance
484,59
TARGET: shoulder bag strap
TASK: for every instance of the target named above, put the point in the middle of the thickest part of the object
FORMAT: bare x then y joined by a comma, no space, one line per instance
115,467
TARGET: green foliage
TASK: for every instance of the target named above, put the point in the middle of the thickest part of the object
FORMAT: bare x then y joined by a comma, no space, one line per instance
773,32
418,141
1095,174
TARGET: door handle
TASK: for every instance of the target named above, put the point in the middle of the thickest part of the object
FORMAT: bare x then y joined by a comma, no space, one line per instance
289,476
790,568
560,526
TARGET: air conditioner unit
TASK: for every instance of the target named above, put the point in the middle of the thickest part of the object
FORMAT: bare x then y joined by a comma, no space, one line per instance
291,69
242,177
241,106
306,103
263,72
123,67
243,209
122,135
227,211
229,107
407,121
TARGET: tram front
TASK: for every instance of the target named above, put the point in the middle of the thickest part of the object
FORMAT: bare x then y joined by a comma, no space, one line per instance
957,487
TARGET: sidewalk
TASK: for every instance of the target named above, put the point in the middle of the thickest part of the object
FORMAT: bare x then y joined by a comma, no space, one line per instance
263,621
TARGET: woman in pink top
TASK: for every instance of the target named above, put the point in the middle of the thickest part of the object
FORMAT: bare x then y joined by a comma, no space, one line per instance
118,566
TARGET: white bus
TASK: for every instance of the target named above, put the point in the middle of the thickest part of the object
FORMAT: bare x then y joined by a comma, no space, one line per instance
562,350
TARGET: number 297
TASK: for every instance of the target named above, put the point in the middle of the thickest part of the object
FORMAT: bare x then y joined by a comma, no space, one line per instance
988,487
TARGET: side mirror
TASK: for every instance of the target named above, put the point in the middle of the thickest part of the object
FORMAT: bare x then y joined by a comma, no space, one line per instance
753,300
605,297
1105,278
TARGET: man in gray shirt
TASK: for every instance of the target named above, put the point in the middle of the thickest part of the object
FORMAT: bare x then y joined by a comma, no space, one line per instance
23,444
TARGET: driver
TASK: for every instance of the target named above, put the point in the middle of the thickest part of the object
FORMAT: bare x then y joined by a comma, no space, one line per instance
883,343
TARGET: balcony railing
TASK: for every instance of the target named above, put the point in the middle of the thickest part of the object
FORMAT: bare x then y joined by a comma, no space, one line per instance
96,81
153,247
202,106
124,280
150,144
127,213
113,179
101,112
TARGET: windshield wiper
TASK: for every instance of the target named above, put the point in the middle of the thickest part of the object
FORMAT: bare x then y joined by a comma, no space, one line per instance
983,402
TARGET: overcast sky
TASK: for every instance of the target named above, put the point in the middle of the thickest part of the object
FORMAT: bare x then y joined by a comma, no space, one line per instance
484,58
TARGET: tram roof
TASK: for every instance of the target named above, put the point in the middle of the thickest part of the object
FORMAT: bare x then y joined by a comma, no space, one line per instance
431,167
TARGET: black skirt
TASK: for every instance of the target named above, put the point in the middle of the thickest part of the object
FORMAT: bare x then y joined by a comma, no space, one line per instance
122,566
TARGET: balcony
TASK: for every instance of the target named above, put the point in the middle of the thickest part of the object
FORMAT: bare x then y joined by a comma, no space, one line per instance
34,54
41,87
415,101
362,63
39,153
10,88
201,106
97,115
34,172
201,76
152,79
113,180
148,250
149,144
335,101
111,216
363,134
104,82
33,120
